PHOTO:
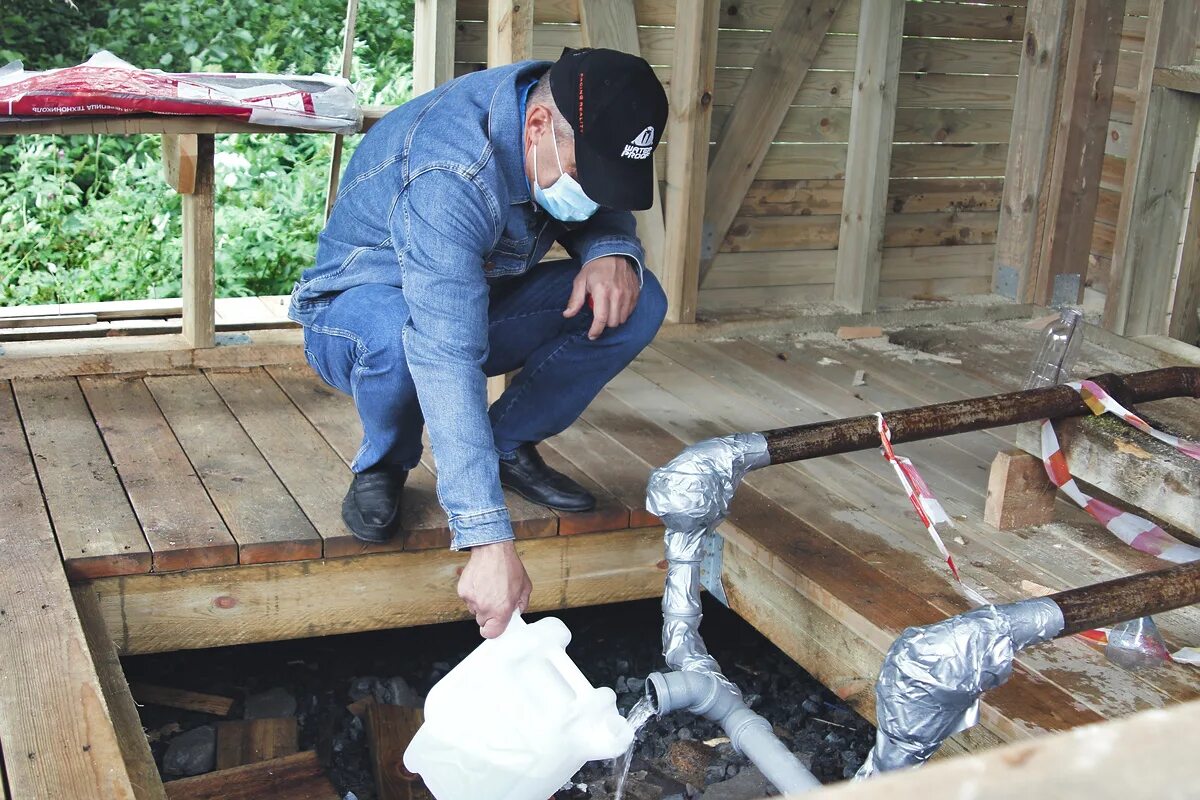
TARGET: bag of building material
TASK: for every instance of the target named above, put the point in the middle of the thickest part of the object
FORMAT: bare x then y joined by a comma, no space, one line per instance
104,85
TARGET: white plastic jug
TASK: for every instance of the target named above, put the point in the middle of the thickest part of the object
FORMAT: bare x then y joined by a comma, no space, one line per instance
515,720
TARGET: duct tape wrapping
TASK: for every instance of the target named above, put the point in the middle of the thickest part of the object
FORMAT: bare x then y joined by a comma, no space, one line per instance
933,676
691,495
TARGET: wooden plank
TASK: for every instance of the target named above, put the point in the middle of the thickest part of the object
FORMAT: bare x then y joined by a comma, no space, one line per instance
1031,146
179,153
334,416
94,524
168,697
1180,78
610,465
1157,177
613,24
1185,307
610,514
135,749
260,514
689,125
138,124
433,43
509,33
390,729
309,468
1060,271
868,157
779,69
199,316
1155,748
295,777
56,726
249,741
181,525
270,602
37,322
905,196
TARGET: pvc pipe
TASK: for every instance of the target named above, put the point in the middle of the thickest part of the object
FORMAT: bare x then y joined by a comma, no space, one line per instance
749,733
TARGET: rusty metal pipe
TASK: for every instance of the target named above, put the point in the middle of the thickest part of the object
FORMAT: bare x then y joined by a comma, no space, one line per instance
1131,597
943,419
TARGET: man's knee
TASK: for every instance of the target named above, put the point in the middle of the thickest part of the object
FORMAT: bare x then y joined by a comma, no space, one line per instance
650,310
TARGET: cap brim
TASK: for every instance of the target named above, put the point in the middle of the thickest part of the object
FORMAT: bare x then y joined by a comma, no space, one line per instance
624,184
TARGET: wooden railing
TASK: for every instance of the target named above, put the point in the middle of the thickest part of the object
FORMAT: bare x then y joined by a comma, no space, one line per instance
188,145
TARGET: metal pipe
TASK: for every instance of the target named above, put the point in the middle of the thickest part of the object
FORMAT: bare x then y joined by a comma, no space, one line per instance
1131,597
926,422
749,733
933,676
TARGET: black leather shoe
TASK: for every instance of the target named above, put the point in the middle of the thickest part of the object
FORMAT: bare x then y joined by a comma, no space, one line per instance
527,475
371,509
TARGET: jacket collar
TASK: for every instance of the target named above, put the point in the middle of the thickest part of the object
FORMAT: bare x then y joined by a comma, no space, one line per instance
506,128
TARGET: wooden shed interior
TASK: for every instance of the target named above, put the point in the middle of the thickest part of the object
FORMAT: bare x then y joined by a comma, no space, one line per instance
171,472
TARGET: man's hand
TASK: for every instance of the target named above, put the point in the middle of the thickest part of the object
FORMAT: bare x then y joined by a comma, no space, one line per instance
494,584
613,284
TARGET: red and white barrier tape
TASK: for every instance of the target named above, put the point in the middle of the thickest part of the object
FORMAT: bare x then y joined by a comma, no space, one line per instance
928,509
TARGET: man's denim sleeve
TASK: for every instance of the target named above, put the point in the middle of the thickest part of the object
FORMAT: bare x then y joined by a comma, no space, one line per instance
447,224
608,233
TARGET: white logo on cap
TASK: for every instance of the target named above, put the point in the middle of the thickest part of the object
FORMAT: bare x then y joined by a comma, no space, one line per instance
641,146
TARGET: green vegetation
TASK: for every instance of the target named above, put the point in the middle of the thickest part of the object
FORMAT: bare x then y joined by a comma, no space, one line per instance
91,218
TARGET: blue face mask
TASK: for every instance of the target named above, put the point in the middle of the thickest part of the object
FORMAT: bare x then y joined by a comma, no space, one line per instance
564,199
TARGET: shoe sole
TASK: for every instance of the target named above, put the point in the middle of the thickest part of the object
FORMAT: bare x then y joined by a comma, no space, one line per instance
544,504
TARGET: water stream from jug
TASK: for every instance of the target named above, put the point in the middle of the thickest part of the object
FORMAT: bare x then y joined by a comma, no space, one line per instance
639,715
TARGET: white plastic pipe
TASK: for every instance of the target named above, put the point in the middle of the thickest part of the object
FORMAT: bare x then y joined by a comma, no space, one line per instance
749,733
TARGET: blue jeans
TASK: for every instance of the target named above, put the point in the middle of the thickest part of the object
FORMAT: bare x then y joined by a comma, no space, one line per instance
355,344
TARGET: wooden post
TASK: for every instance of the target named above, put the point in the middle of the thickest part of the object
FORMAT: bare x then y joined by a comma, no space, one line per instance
1150,220
1031,143
688,127
869,155
1185,311
510,31
433,44
179,161
1075,167
613,24
199,307
335,163
1019,493
510,39
759,111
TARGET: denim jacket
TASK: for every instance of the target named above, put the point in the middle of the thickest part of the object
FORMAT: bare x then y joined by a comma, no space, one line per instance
435,201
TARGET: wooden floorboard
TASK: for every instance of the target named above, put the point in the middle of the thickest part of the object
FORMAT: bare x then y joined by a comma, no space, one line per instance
54,722
184,529
96,528
259,512
610,465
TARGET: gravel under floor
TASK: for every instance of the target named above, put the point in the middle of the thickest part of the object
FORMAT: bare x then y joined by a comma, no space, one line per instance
680,756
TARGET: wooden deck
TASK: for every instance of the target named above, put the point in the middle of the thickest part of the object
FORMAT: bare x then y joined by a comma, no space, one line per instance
203,508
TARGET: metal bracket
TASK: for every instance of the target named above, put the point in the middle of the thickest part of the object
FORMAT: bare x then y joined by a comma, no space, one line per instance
708,247
1066,290
225,339
710,567
1006,281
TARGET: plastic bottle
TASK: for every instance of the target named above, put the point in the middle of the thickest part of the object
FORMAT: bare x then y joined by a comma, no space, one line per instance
1055,357
515,720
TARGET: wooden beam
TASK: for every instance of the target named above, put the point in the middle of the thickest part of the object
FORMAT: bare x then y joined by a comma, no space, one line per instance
139,761
296,777
267,602
868,156
1085,106
613,24
763,102
688,126
148,694
199,310
1031,144
390,729
1182,78
1185,308
1150,222
510,31
55,722
433,44
249,741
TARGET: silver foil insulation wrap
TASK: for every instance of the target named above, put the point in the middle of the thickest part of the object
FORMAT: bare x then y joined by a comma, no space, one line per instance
691,495
933,676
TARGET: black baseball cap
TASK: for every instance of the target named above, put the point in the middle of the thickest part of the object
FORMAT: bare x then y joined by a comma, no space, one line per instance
618,109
